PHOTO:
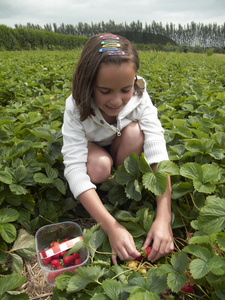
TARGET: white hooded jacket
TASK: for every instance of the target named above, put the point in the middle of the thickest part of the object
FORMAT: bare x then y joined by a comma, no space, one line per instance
77,134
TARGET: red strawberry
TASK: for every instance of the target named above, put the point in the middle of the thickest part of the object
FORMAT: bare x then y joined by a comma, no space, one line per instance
47,260
56,256
75,255
77,261
68,260
60,268
139,258
52,277
146,251
63,253
187,288
55,263
54,243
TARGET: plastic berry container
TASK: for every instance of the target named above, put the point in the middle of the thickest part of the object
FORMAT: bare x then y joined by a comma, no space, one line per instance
69,232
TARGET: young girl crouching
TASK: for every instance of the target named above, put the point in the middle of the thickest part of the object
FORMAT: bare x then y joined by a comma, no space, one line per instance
110,107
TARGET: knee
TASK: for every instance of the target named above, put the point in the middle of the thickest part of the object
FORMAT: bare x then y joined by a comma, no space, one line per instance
133,133
99,168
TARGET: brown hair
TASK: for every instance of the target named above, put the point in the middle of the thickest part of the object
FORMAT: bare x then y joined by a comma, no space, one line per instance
88,66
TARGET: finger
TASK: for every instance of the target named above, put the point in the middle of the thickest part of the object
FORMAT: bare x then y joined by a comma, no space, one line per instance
114,259
147,241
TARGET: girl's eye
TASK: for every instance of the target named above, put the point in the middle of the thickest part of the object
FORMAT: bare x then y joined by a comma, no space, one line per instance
105,92
126,91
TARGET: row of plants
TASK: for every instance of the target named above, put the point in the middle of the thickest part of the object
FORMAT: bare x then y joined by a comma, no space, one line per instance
189,91
30,39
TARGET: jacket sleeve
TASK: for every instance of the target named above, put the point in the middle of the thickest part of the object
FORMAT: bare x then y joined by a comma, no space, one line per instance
75,150
154,144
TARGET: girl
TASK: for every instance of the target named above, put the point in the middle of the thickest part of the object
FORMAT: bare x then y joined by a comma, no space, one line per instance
110,109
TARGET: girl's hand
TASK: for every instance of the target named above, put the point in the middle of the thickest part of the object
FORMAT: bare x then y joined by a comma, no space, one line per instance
122,244
161,235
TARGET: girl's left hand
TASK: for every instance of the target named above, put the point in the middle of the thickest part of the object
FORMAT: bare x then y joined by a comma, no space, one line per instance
161,235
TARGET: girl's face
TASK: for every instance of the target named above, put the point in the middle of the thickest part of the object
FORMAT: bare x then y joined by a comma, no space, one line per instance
113,88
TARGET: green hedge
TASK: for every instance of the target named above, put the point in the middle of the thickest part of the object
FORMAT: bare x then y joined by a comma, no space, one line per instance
30,39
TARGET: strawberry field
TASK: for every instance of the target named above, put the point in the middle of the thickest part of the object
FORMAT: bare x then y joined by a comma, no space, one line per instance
189,91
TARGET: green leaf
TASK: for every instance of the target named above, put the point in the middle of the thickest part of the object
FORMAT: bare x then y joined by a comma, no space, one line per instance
199,268
180,189
8,215
192,171
221,240
5,177
97,239
202,176
17,263
51,173
124,215
135,229
20,173
168,167
211,173
146,218
17,189
176,281
42,133
25,244
61,186
198,251
62,280
143,165
217,265
120,272
87,234
154,283
8,232
91,272
155,182
132,192
202,146
212,216
77,283
122,176
84,276
11,282
144,296
164,269
112,288
201,239
42,178
132,166
179,261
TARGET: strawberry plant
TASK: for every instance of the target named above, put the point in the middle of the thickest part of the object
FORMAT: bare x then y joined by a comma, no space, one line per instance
189,92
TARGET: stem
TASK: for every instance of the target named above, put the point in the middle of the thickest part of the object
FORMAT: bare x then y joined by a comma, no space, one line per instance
46,219
192,198
126,271
99,252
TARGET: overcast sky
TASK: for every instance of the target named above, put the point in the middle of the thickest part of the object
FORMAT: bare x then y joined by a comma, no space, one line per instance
43,12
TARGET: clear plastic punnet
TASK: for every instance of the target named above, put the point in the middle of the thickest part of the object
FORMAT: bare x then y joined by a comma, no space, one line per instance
67,234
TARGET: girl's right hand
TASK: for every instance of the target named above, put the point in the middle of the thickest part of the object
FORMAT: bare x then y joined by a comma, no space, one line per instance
122,244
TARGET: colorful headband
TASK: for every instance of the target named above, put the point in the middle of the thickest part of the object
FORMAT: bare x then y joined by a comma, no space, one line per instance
110,43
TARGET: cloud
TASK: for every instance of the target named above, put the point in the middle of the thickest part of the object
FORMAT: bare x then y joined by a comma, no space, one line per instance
74,11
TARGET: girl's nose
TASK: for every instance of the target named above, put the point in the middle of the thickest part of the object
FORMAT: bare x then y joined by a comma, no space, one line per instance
116,100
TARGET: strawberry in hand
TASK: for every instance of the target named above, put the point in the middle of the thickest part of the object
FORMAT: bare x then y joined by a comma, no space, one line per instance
144,253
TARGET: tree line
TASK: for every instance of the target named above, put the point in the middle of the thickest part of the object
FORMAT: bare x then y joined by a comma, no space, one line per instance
193,34
33,39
